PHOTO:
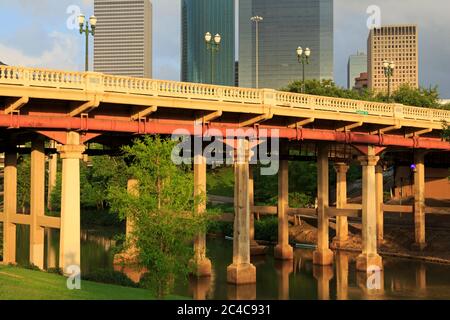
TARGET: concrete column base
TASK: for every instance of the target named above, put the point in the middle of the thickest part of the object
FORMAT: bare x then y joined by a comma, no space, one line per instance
243,273
203,268
284,252
364,262
256,249
323,257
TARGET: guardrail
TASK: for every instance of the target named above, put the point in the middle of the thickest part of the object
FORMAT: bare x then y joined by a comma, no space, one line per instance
98,82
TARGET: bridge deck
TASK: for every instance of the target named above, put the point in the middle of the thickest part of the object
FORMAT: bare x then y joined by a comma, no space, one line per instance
60,99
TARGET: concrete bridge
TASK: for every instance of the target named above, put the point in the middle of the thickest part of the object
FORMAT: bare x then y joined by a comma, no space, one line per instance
72,108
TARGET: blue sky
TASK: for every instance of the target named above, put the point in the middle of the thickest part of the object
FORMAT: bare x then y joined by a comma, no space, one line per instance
35,33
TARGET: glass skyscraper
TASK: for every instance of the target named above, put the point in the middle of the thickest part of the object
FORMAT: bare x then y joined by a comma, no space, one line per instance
287,24
199,17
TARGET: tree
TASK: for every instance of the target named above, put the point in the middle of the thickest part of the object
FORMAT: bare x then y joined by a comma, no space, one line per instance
162,211
329,89
405,94
23,182
446,131
95,180
409,96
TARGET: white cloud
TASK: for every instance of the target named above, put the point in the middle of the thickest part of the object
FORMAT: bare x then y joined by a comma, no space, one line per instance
62,54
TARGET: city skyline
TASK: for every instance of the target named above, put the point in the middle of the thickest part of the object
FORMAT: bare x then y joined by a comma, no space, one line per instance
28,41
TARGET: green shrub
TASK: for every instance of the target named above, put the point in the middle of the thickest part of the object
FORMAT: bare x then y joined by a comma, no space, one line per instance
110,277
266,229
55,271
220,227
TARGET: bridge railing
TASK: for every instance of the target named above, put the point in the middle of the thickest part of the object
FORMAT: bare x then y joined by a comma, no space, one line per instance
91,81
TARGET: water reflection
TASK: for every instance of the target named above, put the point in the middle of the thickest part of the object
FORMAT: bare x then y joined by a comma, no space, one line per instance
295,279
341,261
284,270
323,275
241,292
200,287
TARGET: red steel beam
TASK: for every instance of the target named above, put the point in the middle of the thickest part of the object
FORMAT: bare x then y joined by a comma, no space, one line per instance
168,126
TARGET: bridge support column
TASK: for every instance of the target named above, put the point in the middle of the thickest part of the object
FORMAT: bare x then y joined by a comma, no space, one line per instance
37,202
341,200
369,257
203,264
52,173
69,251
379,203
255,248
283,250
419,200
323,255
132,188
51,250
9,207
241,271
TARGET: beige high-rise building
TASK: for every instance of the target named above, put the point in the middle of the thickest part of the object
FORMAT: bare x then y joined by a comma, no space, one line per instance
123,38
398,44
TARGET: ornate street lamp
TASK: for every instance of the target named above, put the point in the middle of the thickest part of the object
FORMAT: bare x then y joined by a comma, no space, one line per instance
389,68
212,45
303,58
257,20
84,28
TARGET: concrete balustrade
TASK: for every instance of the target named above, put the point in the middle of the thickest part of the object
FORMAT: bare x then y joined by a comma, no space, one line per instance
283,102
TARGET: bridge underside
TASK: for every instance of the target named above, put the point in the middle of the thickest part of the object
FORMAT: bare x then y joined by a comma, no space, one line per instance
72,110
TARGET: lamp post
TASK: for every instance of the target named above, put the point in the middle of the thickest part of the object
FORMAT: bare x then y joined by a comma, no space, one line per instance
257,20
303,58
212,45
84,28
389,68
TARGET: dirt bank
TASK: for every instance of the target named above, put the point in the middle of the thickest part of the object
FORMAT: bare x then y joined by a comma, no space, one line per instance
398,237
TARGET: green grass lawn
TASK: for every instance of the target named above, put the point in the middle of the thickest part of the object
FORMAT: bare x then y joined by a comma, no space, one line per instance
23,284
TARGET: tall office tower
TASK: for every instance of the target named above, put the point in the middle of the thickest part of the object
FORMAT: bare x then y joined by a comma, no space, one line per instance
398,44
357,64
198,18
123,38
287,24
